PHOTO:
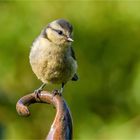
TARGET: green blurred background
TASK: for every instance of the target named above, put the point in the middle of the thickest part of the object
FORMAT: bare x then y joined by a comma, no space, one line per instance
105,102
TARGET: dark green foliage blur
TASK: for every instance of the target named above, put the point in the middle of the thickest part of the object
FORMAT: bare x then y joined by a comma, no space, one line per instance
105,102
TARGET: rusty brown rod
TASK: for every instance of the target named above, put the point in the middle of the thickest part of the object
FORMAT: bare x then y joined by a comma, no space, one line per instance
61,128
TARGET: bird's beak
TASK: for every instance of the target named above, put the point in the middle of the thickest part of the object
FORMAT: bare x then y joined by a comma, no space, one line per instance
70,39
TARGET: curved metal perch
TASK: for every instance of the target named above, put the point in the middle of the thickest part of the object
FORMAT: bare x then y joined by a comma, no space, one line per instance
61,128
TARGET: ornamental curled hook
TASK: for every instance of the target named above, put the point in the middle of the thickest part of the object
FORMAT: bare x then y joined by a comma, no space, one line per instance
61,128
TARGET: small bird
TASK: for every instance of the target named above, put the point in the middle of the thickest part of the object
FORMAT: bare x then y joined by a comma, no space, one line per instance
52,57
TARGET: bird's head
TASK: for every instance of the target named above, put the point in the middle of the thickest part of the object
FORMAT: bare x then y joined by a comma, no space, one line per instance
59,32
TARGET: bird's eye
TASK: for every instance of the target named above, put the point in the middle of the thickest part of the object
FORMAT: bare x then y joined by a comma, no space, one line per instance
59,32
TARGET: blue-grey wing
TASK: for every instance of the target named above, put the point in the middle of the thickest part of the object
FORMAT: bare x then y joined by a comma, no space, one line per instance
73,53
75,76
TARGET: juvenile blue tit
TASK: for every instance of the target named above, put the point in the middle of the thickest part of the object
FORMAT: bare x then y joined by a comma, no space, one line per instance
52,57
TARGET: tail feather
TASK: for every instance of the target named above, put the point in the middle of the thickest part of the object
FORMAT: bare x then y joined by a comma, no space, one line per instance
75,77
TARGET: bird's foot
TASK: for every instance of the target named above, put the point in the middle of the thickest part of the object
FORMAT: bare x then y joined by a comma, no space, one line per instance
56,92
37,92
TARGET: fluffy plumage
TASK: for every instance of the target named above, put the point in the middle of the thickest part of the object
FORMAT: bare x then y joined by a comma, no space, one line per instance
51,57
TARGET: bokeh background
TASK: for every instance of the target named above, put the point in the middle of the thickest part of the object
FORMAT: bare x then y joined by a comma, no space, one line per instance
105,102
